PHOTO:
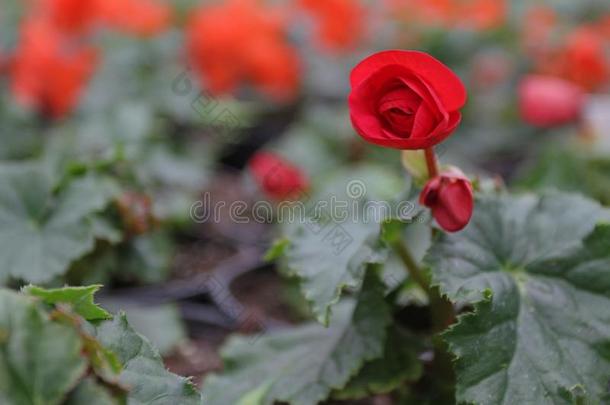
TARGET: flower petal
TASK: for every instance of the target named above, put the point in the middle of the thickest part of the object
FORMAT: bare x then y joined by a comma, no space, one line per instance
454,206
439,77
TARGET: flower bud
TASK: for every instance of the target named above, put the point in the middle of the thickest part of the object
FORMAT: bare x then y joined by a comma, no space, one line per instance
278,178
450,197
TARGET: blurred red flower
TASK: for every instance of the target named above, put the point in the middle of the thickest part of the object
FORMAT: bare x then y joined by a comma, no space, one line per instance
70,16
279,179
469,14
450,197
480,14
339,23
584,59
242,42
405,100
581,57
48,73
76,17
140,17
546,101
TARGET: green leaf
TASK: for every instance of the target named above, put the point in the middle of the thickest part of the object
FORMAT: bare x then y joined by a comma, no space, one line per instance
162,325
277,249
331,260
91,393
82,197
398,365
555,167
507,234
569,169
105,230
303,365
143,258
80,298
40,361
330,249
42,232
143,370
540,282
146,258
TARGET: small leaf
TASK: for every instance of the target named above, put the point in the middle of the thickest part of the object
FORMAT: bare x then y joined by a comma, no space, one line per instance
54,227
277,250
143,372
82,197
303,365
398,365
40,361
162,325
91,393
104,230
80,298
146,258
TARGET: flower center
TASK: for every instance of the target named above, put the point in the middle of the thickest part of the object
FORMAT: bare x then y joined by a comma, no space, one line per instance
398,108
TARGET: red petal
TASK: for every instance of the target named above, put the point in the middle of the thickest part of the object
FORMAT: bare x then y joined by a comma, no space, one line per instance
445,83
429,194
424,122
363,114
454,206
440,133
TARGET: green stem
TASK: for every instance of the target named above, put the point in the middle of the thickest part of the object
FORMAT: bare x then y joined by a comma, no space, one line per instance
442,310
443,315
412,268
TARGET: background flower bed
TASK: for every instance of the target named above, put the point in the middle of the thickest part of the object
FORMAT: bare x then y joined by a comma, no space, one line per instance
117,118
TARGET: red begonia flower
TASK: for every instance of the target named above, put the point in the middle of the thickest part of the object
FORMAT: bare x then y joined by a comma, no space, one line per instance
405,100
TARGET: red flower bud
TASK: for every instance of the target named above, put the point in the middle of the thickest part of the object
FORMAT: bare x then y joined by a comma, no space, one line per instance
547,101
450,198
278,178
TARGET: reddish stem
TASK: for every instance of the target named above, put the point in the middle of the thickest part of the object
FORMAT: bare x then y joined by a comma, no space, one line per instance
431,162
